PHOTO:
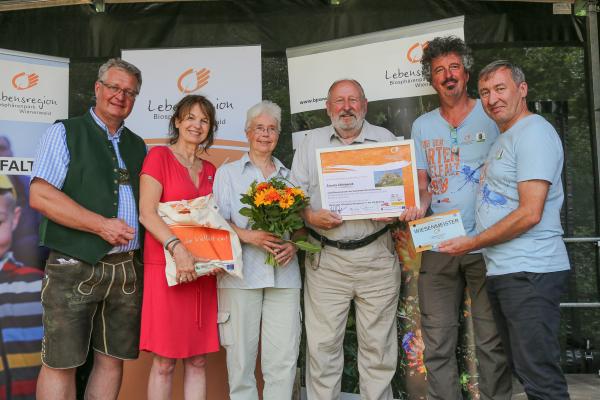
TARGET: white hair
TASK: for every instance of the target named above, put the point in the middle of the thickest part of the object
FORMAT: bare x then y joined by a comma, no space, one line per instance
265,107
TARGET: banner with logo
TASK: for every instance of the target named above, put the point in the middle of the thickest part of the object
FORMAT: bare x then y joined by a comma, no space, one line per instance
230,77
34,92
386,63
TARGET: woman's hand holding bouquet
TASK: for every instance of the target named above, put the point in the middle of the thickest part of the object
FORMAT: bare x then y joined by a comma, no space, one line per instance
274,213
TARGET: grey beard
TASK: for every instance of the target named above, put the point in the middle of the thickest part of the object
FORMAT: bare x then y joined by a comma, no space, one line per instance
355,124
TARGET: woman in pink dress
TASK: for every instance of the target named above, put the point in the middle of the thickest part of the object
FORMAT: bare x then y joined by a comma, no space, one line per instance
178,322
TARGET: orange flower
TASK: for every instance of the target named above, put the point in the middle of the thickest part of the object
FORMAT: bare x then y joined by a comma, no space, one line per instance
271,195
262,186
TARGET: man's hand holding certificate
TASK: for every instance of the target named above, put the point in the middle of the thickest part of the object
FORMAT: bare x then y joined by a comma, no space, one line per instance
428,233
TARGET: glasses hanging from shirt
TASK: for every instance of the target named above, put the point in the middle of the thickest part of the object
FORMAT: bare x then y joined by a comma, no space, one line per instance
454,141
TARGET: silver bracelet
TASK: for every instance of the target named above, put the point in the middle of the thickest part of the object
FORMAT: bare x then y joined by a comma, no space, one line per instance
169,241
172,249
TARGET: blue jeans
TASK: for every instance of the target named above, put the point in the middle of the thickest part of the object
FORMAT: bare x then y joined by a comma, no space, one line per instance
527,313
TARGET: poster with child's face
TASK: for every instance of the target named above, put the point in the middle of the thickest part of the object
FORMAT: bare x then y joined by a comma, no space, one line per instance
9,215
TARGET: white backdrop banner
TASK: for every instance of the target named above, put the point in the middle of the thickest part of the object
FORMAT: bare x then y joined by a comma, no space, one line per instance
230,77
34,92
386,63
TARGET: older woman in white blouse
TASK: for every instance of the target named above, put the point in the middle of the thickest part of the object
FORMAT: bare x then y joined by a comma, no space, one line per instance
266,303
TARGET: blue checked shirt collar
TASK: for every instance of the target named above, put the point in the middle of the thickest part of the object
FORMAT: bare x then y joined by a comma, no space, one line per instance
101,124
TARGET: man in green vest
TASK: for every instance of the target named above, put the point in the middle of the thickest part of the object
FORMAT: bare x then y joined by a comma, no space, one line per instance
85,183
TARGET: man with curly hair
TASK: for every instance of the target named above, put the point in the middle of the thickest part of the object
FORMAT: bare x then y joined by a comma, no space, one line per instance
451,143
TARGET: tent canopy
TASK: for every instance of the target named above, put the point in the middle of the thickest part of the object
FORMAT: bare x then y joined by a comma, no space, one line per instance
79,31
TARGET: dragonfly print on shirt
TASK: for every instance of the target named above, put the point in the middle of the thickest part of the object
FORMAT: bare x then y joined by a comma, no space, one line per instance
470,175
491,198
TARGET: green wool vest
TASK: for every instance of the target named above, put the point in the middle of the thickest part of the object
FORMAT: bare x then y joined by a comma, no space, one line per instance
92,182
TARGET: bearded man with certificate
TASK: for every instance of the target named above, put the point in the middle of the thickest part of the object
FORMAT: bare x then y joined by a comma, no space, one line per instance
357,263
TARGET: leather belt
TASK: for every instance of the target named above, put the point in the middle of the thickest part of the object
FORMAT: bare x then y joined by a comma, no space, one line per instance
113,258
348,244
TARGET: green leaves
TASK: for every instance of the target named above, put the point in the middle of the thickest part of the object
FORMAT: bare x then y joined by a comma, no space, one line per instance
307,246
246,212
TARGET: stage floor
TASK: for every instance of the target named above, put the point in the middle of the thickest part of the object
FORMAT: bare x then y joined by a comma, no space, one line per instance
581,387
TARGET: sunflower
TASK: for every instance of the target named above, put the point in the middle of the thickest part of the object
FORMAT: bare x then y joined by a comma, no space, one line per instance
260,198
297,192
286,201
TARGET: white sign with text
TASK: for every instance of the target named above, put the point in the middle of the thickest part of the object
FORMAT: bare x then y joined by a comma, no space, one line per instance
230,77
386,63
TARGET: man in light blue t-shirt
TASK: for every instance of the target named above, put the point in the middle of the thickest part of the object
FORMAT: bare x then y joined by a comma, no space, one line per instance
518,225
452,142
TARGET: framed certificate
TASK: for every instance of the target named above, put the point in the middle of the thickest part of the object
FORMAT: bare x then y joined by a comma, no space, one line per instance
428,232
369,180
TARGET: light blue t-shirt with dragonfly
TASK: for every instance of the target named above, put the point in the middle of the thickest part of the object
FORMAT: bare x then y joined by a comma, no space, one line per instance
453,157
529,150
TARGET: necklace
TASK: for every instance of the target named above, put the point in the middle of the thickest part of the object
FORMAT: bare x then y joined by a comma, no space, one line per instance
184,160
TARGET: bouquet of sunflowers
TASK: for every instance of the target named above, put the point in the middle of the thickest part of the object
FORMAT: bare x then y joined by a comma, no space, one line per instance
275,207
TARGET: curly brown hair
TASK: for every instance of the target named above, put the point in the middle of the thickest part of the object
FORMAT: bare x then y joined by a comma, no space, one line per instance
441,46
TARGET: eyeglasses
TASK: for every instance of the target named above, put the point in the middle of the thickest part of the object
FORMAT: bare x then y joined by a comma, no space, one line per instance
454,140
352,100
264,129
115,90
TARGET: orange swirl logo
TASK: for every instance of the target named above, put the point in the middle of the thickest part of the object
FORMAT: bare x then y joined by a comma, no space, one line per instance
23,81
415,52
191,80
